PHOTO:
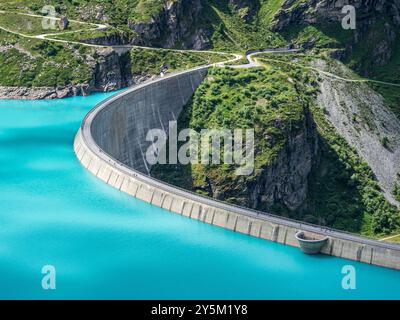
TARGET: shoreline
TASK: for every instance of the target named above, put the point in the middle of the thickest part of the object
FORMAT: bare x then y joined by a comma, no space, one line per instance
61,92
44,93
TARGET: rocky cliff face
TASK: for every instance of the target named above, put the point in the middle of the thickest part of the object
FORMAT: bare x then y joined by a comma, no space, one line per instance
175,24
113,39
285,181
110,71
328,11
370,14
179,22
245,8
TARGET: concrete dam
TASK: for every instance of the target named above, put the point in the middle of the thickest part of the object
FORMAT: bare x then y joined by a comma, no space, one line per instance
121,130
111,143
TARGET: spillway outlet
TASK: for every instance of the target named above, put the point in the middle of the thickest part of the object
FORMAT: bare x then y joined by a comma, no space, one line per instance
311,243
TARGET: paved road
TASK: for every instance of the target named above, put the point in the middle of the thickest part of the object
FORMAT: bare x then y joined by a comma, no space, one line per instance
254,63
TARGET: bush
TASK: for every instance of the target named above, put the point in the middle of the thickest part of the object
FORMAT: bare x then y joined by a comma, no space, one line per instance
396,192
385,142
385,220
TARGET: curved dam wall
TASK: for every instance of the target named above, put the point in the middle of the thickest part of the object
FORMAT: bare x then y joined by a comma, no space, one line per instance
111,143
121,130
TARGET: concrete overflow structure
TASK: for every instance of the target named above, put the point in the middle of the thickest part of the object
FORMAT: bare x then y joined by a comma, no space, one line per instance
111,144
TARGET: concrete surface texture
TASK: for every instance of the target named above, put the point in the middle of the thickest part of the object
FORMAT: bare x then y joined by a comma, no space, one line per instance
121,130
111,142
311,243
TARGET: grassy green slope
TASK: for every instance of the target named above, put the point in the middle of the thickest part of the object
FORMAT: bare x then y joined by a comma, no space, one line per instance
150,61
360,59
343,192
37,63
118,12
259,99
231,32
29,25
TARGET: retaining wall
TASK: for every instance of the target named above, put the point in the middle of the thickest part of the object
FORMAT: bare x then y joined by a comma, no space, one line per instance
110,145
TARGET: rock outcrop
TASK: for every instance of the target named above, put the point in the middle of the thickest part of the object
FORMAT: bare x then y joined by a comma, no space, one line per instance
110,71
285,180
369,13
176,24
36,93
112,39
328,11
63,23
246,8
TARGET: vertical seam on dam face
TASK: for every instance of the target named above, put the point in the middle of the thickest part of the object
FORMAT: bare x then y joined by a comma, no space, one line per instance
111,144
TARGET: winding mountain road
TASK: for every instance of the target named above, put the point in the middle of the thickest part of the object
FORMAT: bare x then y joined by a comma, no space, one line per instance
98,27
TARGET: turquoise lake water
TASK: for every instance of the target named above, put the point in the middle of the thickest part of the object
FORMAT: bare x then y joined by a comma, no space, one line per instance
105,244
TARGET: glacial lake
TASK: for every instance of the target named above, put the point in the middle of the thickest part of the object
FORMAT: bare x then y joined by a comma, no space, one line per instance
106,245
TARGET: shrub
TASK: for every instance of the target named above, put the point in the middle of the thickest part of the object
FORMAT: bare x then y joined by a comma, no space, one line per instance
385,142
